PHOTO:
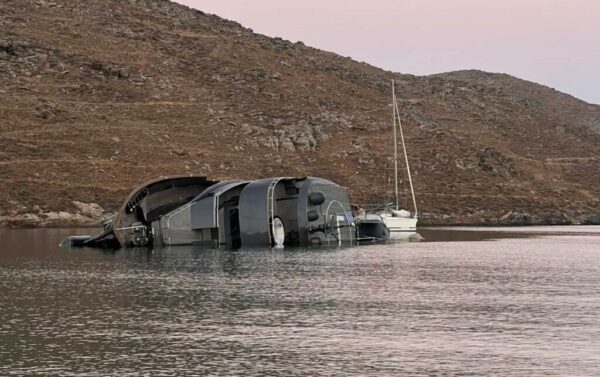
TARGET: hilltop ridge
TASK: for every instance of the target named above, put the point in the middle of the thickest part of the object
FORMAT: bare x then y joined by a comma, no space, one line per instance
100,95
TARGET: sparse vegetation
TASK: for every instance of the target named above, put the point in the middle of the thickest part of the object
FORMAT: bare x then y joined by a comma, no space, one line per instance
97,96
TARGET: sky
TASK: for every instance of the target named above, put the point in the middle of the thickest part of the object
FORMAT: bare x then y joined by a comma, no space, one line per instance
552,42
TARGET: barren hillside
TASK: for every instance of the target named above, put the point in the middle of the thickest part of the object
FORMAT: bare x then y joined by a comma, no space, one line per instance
97,96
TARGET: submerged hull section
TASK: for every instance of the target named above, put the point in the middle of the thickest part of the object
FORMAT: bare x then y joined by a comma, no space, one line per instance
147,203
206,219
254,213
133,225
307,211
327,214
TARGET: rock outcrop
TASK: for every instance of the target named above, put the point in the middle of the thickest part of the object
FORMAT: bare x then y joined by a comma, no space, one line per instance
84,214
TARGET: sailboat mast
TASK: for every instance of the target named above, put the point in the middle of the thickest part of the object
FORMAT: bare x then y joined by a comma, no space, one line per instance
412,190
395,143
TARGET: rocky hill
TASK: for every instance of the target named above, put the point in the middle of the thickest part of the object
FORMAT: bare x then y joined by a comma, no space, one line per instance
97,96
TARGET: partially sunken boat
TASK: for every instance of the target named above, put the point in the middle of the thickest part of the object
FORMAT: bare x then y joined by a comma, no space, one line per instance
305,211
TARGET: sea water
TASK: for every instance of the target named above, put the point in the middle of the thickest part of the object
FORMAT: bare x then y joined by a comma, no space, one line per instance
467,301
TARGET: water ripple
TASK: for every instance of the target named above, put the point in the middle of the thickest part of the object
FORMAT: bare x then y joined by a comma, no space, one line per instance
510,307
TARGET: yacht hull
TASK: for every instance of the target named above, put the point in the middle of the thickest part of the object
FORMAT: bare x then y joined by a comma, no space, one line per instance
400,227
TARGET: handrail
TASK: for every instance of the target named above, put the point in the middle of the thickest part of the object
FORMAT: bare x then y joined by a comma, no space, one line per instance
271,207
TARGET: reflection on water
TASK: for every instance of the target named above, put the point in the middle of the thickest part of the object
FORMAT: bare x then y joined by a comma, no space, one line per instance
517,303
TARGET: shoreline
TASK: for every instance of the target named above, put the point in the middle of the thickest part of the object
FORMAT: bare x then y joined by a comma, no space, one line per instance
90,215
27,221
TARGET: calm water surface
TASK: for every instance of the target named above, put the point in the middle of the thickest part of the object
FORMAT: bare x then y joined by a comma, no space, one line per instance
510,302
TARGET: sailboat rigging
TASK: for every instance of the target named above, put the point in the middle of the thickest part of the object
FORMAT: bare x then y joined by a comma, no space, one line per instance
400,222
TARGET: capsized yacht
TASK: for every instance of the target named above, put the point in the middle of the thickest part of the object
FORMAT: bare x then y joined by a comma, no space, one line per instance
279,211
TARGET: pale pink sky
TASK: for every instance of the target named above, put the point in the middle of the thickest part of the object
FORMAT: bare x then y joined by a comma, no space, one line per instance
553,42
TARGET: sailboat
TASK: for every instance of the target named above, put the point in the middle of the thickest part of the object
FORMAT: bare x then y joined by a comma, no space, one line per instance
400,222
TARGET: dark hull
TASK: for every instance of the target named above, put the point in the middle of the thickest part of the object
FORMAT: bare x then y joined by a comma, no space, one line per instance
281,211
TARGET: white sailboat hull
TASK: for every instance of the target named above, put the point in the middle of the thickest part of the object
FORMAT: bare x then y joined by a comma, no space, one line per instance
400,227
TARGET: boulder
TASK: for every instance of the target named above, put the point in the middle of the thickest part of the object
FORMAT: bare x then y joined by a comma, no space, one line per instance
23,220
62,218
302,143
91,210
516,218
553,218
592,220
287,145
491,161
246,129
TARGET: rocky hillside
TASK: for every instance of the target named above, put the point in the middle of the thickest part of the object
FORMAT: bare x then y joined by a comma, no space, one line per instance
97,96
